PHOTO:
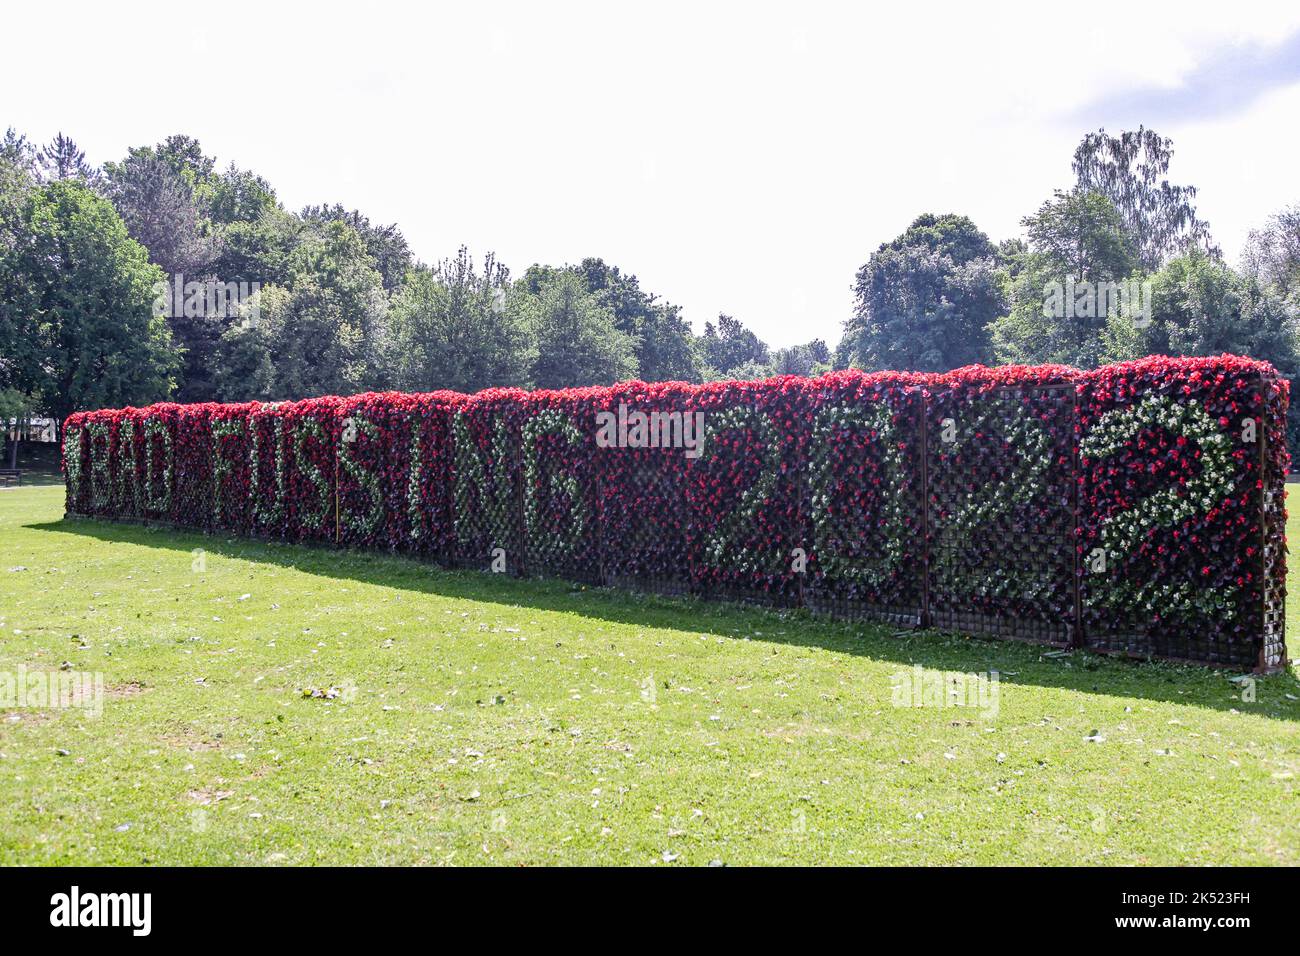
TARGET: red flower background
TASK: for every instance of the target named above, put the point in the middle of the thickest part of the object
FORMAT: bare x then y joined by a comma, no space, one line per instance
961,500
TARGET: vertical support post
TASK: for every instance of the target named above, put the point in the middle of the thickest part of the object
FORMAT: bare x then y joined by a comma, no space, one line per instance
521,527
1076,633
1261,437
598,463
801,476
923,407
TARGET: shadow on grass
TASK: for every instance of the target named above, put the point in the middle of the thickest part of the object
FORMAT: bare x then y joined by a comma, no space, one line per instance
1017,663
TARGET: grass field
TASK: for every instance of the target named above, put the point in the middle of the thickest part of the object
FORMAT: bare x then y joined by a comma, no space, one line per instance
470,719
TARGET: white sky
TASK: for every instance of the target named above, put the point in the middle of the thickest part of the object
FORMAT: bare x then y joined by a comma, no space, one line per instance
744,158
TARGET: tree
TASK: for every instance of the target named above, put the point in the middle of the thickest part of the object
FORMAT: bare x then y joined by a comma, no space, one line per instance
1129,170
185,156
1273,253
256,249
16,151
954,236
1202,307
729,346
326,332
61,160
665,351
80,291
923,301
576,338
1083,234
156,201
1076,237
203,225
17,180
451,329
1034,330
812,358
386,244
246,372
239,195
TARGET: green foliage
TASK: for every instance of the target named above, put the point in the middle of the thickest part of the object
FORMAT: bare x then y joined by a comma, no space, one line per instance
923,300
1273,253
13,404
664,350
954,236
450,329
202,224
18,153
239,196
1129,169
576,338
385,244
17,180
156,201
62,159
345,306
154,192
77,302
245,371
1076,236
321,324
258,250
1082,234
1202,307
1028,335
729,349
325,331
811,358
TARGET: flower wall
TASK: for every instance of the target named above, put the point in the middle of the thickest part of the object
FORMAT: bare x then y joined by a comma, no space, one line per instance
1133,509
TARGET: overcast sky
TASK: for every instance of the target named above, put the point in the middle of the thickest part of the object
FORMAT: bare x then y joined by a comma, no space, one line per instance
744,158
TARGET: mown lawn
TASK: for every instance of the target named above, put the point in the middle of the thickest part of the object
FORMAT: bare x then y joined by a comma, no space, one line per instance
480,719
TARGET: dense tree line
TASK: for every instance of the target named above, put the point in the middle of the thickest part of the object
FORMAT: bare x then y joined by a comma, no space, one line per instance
943,295
341,304
336,303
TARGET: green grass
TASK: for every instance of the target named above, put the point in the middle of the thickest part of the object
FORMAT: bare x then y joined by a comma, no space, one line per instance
490,720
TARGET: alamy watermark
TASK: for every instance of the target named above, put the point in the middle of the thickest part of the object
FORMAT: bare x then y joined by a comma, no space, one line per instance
638,429
207,299
37,690
1130,299
929,688
75,908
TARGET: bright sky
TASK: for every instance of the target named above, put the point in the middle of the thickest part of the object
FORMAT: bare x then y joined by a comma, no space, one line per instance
743,157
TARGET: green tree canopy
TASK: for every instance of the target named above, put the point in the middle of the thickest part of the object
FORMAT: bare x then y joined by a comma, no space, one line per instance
923,301
729,347
1083,234
576,337
811,358
324,332
450,329
1074,237
1273,253
386,244
664,351
1202,307
78,294
1129,169
952,235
